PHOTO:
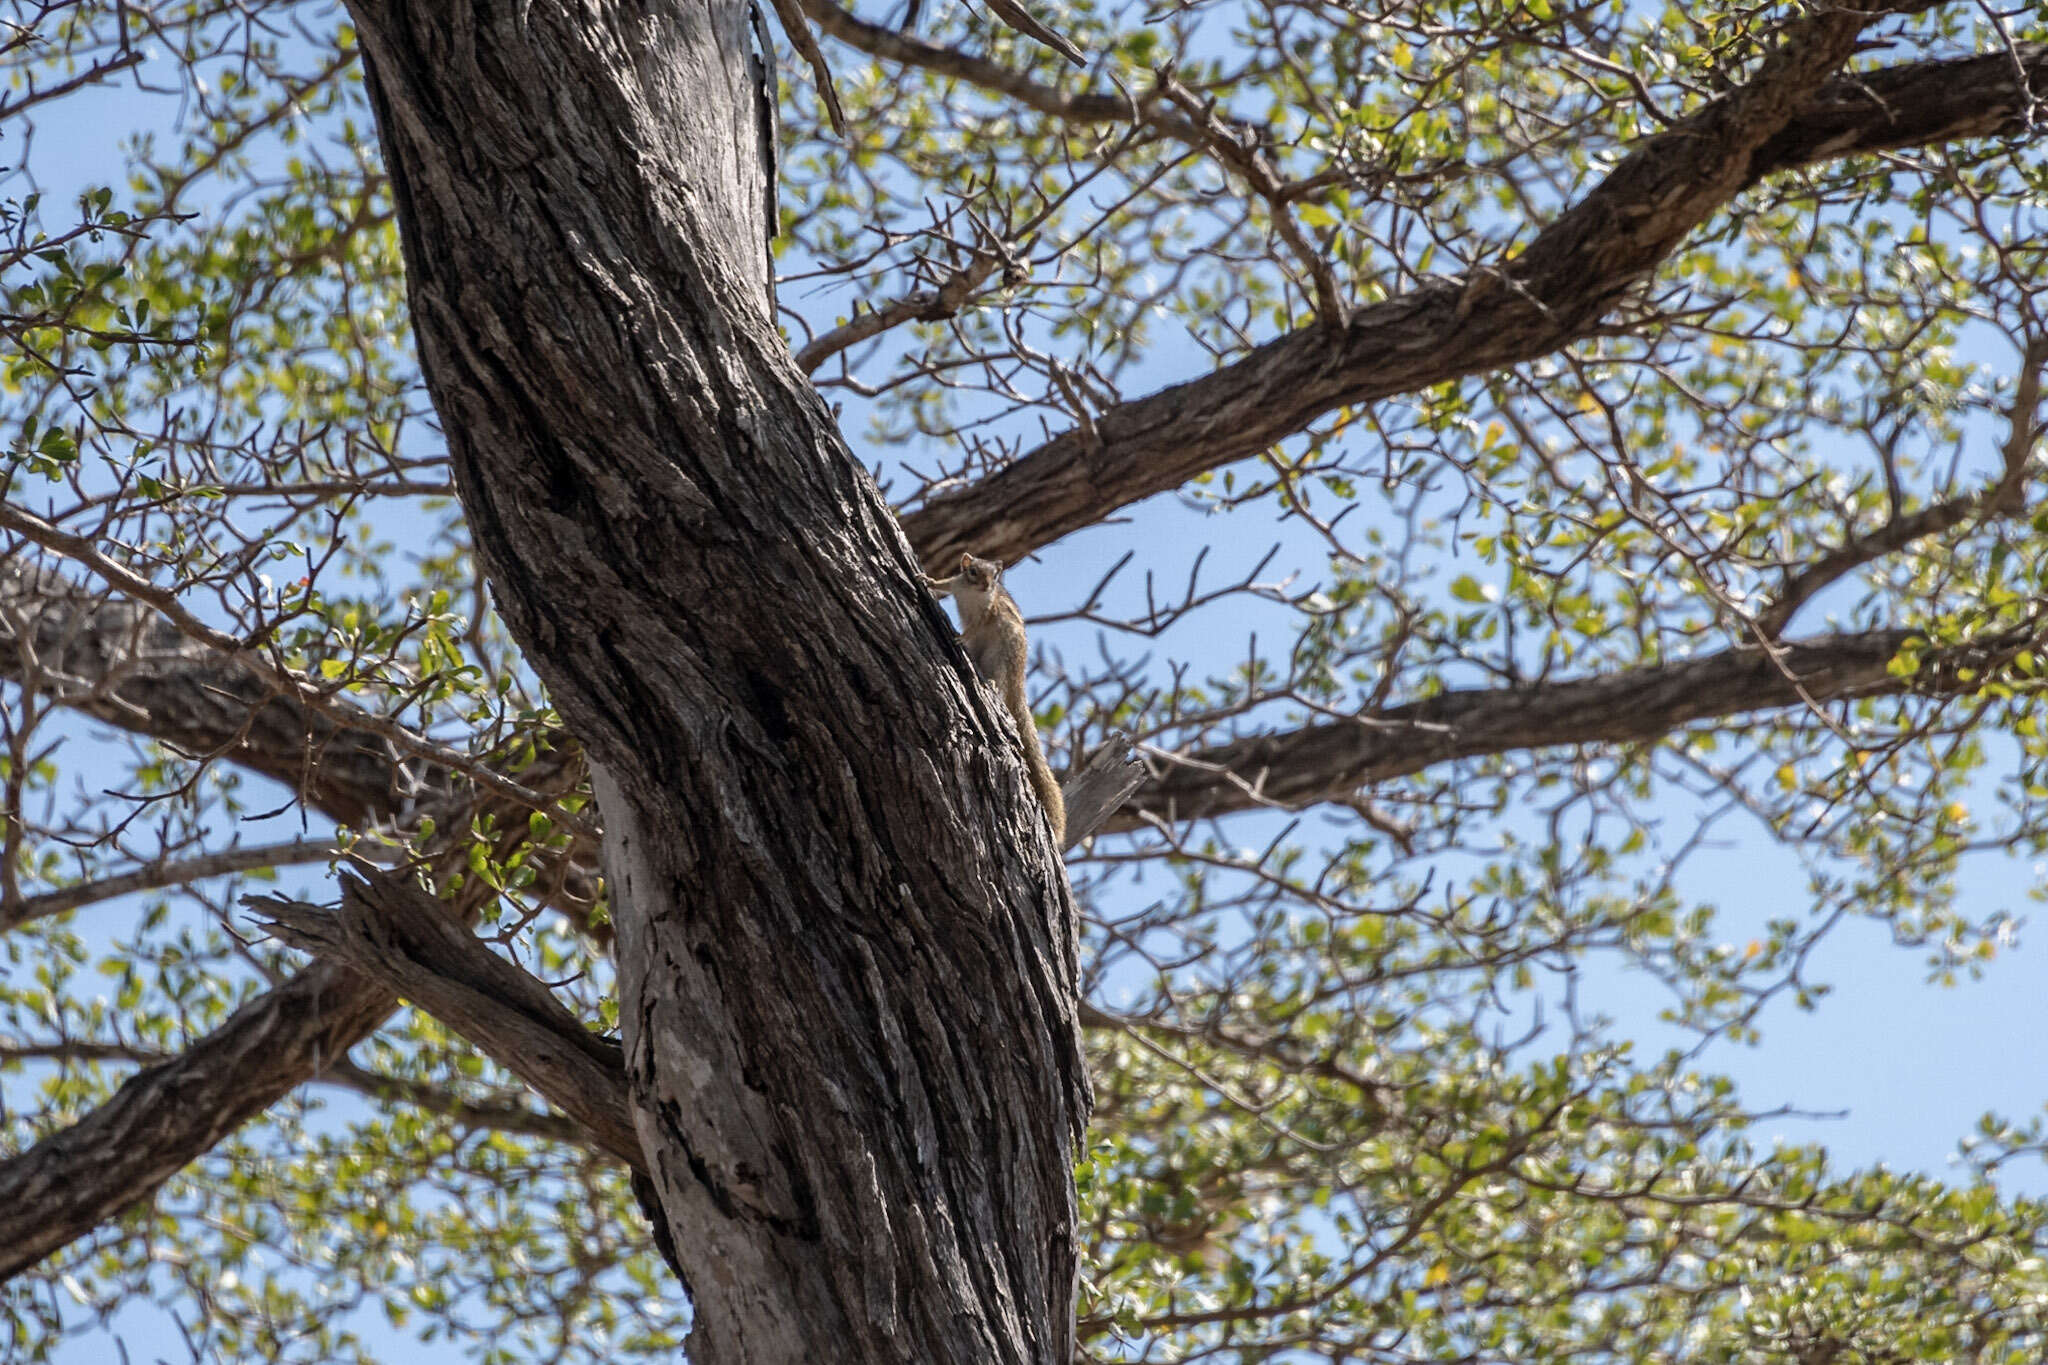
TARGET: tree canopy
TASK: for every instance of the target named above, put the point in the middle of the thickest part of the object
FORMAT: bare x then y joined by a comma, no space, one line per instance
1478,452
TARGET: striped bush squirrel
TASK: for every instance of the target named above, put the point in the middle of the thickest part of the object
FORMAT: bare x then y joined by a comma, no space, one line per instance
992,633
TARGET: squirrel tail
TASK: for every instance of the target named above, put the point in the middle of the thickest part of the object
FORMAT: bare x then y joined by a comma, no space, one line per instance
1048,792
1042,779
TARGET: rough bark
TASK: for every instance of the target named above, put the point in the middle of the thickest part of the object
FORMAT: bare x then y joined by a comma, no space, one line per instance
1560,290
177,691
398,936
847,973
396,933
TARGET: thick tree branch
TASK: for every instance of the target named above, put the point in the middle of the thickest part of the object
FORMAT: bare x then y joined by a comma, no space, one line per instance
165,1116
168,1115
388,927
345,1074
1909,104
484,998
279,680
1556,292
1330,760
122,663
1912,104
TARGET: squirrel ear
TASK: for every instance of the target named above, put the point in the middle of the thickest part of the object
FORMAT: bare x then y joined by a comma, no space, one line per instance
966,559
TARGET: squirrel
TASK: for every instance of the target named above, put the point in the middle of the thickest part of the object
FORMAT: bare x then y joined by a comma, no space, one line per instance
992,633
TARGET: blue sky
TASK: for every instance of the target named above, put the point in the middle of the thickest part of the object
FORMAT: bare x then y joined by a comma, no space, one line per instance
1907,1065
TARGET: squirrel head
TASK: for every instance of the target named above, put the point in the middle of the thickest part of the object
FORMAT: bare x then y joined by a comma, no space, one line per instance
982,575
976,581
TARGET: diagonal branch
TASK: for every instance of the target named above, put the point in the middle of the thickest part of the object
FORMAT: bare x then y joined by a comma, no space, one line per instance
924,305
889,44
2005,497
123,663
387,926
1557,292
1246,157
166,1116
1331,760
1913,104
280,680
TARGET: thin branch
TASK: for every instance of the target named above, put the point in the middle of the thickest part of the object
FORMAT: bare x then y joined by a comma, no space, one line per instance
798,30
1560,290
2006,497
174,872
925,305
501,1118
1245,156
288,681
15,106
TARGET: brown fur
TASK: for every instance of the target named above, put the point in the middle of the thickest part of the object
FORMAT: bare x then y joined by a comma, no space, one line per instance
992,633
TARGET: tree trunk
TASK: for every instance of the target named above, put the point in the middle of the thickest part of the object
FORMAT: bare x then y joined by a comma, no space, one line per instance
846,946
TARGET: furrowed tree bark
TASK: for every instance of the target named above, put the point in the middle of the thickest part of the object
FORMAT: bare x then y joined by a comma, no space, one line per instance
180,692
846,947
